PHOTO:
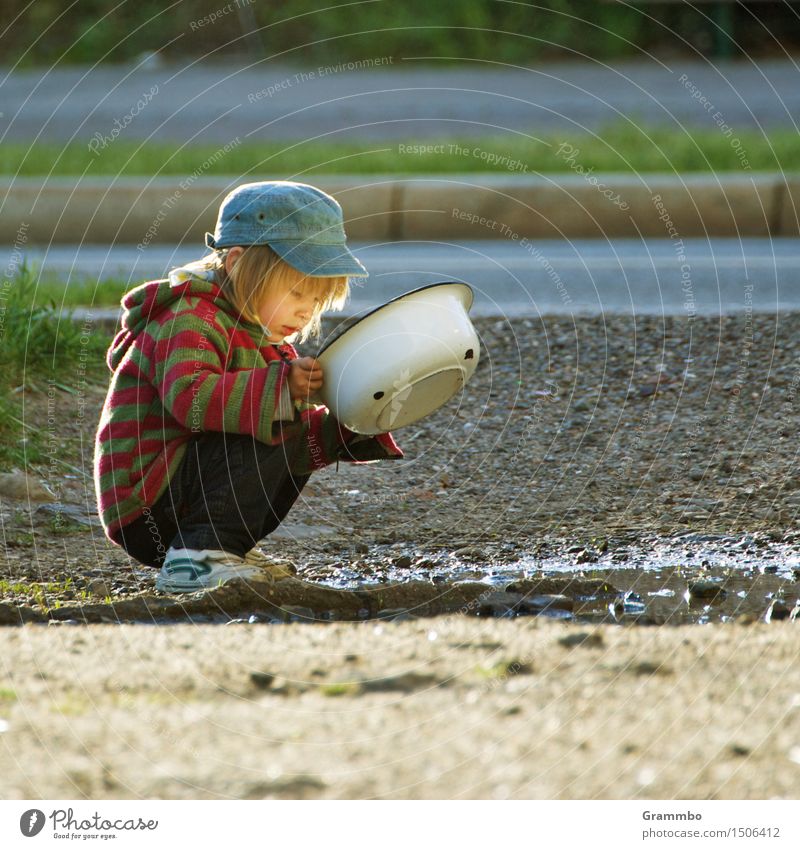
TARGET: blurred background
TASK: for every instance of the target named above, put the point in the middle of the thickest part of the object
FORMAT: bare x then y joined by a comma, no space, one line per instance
304,31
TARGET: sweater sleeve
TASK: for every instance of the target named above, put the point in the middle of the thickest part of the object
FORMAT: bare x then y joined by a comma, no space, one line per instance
194,387
325,441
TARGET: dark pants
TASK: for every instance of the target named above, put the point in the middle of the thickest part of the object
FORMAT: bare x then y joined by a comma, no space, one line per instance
229,492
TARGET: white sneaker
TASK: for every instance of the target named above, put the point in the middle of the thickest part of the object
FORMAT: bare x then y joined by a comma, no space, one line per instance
187,570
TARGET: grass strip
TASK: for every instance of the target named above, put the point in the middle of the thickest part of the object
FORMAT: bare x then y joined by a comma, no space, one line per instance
42,350
619,148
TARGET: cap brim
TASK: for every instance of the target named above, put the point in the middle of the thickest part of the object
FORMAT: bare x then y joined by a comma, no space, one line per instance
319,260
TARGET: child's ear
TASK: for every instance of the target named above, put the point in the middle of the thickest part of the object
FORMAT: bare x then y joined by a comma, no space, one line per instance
231,257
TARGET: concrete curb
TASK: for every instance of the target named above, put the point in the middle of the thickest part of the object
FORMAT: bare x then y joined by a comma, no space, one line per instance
175,210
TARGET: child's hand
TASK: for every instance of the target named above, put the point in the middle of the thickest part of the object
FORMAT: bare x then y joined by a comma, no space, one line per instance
305,377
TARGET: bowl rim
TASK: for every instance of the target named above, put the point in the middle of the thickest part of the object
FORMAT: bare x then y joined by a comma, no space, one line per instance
394,300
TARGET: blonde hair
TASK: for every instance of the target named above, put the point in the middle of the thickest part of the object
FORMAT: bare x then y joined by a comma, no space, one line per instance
260,272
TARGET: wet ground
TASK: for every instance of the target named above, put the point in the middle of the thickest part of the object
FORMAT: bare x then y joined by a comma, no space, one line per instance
692,578
616,469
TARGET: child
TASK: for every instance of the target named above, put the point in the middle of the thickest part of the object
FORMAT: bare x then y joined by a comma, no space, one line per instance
207,435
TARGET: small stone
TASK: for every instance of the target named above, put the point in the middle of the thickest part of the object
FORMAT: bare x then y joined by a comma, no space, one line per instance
403,683
98,587
499,603
587,639
267,618
587,556
540,603
296,613
396,614
777,611
703,589
262,680
649,667
289,787
22,487
470,551
281,687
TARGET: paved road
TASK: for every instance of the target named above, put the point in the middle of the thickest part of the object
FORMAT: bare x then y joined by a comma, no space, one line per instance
584,276
382,102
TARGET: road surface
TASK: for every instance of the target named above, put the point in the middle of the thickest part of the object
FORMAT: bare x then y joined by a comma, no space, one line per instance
544,277
382,101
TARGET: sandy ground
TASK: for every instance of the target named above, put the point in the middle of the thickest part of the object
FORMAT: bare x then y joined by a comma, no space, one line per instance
451,707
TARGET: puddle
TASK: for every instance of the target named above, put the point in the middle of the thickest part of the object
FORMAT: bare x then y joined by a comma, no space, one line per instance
688,579
691,578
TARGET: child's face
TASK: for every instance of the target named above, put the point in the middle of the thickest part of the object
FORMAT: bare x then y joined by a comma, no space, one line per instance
288,311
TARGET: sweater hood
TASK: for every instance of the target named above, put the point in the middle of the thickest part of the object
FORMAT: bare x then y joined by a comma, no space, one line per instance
146,302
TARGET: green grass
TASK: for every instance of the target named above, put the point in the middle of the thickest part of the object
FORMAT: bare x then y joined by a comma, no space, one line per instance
54,292
621,147
7,694
37,341
40,593
41,350
337,688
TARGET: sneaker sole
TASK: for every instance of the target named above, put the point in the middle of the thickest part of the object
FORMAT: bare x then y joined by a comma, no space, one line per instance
209,582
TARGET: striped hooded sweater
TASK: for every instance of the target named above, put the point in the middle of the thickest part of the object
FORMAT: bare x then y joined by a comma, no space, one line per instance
185,363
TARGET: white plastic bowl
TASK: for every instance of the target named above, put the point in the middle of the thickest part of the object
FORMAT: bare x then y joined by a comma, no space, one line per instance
400,362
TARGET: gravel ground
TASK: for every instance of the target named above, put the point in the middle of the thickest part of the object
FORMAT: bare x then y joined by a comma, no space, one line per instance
602,472
663,445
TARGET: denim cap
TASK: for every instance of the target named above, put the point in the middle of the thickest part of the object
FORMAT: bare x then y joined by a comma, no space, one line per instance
303,225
